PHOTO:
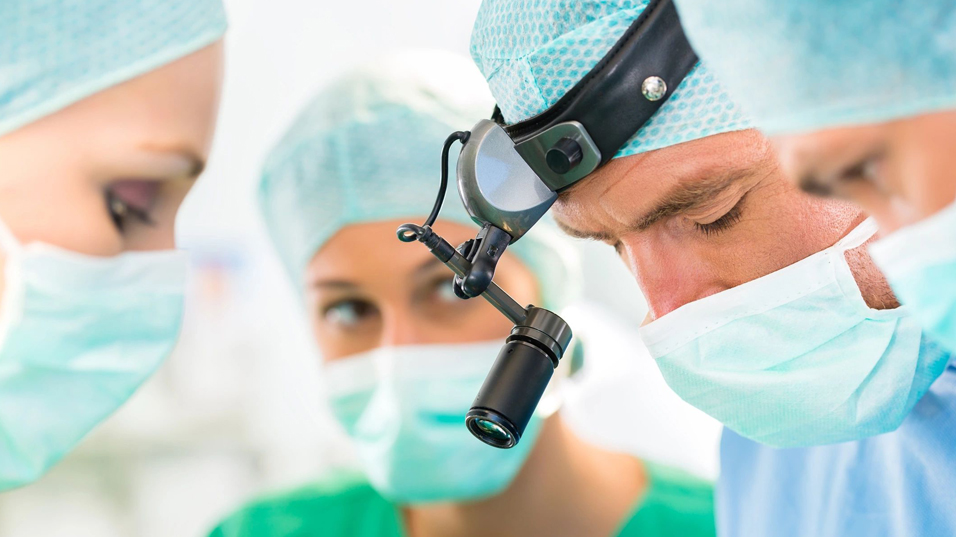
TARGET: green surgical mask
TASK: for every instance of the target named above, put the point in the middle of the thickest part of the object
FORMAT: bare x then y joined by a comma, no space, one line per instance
405,409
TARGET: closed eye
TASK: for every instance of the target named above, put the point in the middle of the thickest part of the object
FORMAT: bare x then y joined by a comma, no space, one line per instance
723,223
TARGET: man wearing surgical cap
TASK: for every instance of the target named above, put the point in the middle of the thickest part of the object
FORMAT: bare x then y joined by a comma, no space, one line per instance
765,309
403,358
107,111
860,101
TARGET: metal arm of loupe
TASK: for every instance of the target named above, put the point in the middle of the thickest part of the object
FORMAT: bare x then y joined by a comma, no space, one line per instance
517,380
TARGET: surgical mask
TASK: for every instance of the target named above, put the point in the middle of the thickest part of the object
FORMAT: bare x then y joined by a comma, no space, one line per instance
405,409
797,358
78,335
920,263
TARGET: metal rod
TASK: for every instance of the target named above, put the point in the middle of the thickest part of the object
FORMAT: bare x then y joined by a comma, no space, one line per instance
495,295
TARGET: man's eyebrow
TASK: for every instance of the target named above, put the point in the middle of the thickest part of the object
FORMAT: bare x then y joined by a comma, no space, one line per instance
688,196
580,234
679,199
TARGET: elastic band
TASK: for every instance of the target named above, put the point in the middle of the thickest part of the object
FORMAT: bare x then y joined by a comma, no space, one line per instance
858,235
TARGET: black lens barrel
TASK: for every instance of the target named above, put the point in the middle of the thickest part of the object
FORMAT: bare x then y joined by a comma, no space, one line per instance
511,391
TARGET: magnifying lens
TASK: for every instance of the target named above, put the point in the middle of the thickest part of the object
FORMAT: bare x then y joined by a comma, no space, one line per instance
517,380
509,176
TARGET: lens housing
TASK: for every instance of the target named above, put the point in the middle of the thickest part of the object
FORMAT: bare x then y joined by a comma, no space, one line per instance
492,428
510,393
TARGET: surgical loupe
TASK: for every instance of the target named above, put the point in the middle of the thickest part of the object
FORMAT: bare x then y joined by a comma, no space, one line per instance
509,176
538,341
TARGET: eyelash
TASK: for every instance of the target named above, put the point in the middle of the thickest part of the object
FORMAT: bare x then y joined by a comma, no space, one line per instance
361,307
861,171
119,211
724,222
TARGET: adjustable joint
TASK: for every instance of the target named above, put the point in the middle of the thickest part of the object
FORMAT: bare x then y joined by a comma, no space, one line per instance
483,252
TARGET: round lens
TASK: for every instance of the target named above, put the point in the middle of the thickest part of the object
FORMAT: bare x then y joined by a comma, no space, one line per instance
493,430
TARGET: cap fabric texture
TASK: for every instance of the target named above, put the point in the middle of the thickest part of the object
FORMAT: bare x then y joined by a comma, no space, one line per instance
54,53
367,148
532,53
805,65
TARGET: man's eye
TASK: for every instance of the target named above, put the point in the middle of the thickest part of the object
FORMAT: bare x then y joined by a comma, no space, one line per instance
724,222
348,313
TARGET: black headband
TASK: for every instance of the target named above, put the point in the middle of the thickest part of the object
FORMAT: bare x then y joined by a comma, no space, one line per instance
614,100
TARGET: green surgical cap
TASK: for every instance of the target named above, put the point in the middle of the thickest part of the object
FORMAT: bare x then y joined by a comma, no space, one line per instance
368,147
54,53
532,53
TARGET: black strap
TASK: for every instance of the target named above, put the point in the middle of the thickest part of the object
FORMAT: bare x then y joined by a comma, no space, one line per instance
608,100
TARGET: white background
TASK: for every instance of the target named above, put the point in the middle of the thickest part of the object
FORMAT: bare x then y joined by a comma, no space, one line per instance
237,409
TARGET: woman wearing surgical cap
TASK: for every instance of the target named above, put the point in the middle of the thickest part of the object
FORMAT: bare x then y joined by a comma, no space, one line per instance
860,101
107,110
403,357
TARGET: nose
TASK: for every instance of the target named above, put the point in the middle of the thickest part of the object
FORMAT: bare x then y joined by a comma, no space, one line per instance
668,275
402,328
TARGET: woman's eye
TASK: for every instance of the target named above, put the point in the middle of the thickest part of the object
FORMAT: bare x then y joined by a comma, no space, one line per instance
726,221
348,313
122,211
865,170
445,290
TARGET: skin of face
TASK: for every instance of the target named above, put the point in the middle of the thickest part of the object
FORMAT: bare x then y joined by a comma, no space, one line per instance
365,289
899,171
108,173
701,217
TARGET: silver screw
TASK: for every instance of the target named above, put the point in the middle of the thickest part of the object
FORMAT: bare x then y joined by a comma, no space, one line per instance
654,88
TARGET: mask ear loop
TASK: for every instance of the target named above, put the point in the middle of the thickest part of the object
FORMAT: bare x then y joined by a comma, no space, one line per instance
858,235
847,281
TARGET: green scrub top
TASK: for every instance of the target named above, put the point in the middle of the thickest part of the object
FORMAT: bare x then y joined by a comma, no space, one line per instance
345,505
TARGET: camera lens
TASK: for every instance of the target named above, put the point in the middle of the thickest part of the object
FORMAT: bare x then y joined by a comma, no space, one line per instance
494,431
510,393
491,428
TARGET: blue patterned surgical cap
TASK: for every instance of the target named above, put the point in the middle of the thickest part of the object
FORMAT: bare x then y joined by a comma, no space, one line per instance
54,53
367,148
804,65
532,53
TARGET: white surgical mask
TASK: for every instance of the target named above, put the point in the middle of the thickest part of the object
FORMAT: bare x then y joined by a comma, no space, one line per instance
796,357
405,409
919,261
78,335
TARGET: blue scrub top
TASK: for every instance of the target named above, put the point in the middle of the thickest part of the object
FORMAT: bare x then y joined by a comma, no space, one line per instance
899,484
